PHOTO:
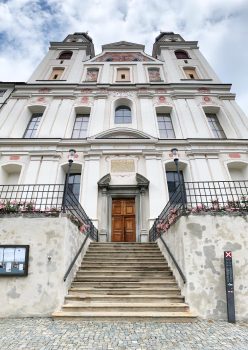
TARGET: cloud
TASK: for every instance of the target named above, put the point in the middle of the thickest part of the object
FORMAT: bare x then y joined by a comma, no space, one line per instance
220,26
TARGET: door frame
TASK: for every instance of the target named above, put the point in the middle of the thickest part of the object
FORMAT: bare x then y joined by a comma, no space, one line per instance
138,191
135,205
115,194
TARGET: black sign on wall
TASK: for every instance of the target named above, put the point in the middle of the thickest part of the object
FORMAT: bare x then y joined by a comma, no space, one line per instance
14,260
229,286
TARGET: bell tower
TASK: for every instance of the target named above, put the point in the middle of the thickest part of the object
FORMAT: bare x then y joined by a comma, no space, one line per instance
183,59
63,62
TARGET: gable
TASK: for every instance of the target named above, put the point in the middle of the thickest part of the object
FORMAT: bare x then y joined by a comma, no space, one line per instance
123,45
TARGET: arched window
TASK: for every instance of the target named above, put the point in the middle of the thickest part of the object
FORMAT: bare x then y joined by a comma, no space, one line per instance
180,54
123,115
65,55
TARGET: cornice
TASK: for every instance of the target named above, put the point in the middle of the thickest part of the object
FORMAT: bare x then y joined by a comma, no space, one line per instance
87,142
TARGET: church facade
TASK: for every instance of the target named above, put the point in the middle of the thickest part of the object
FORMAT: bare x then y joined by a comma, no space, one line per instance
122,111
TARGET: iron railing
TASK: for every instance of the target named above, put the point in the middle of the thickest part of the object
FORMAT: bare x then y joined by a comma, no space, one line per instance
202,196
196,197
31,198
47,199
78,214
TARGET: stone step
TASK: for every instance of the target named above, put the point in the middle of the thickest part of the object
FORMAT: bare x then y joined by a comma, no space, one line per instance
122,284
115,291
100,306
124,255
120,269
124,244
129,260
124,264
124,279
124,249
170,298
128,315
125,274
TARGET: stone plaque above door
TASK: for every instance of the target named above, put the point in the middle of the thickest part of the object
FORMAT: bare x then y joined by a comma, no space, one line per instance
122,166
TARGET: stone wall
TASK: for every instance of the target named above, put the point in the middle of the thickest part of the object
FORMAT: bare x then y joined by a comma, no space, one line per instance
198,243
43,290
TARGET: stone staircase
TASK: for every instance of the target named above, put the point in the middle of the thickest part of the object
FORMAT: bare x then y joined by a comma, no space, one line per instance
125,281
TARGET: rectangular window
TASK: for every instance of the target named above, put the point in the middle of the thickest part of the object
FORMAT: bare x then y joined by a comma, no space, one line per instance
154,74
92,74
215,126
80,126
56,73
123,74
32,126
165,126
190,73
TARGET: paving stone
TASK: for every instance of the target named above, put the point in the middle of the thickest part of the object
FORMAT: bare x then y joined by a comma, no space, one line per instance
46,334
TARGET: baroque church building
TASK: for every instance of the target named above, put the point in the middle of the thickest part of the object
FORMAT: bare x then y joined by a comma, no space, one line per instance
124,112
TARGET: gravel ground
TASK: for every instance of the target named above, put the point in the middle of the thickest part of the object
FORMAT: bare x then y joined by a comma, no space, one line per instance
46,334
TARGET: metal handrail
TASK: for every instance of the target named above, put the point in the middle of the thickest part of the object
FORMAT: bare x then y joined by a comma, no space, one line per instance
85,224
76,256
174,260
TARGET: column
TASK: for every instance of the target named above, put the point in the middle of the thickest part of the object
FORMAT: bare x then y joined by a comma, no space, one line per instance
90,187
103,222
143,216
157,194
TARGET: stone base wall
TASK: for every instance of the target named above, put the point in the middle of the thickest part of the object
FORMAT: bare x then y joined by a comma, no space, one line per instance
198,243
53,245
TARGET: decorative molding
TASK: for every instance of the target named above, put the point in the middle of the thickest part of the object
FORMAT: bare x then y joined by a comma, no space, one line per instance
142,181
122,57
122,133
104,181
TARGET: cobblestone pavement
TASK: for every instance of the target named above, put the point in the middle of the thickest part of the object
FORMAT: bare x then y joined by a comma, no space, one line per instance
46,334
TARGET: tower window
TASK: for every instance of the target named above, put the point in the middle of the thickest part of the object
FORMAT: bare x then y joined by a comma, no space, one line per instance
181,54
165,126
80,126
190,73
66,55
123,115
123,74
56,73
215,126
32,126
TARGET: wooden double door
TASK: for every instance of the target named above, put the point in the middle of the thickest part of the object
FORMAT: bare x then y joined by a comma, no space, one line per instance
123,220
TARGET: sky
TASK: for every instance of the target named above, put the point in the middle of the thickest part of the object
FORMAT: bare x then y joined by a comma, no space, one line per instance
220,26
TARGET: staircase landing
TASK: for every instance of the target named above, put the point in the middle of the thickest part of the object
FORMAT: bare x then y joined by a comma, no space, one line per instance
125,281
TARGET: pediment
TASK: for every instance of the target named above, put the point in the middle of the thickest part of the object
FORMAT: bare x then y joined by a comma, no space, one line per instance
123,133
123,45
142,182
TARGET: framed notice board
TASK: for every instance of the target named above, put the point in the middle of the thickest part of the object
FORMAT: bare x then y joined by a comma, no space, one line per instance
14,260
